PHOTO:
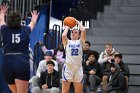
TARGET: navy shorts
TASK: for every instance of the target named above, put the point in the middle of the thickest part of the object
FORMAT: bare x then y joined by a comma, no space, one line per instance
16,66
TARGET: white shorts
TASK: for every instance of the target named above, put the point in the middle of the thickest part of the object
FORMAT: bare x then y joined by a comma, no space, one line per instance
72,73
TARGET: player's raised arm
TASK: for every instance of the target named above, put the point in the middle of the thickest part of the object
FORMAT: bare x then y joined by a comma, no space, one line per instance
64,35
34,19
83,31
3,9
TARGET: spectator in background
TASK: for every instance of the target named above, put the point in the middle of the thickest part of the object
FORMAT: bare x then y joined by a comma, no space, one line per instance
105,58
60,57
86,50
108,54
91,72
123,67
117,82
42,64
42,67
48,81
60,54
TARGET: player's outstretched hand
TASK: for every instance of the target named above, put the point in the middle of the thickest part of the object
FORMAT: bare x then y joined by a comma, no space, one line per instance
3,8
35,15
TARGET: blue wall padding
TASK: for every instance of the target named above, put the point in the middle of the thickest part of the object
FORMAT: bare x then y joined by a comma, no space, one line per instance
40,28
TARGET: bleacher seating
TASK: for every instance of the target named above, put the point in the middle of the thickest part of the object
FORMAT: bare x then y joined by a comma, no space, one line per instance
120,24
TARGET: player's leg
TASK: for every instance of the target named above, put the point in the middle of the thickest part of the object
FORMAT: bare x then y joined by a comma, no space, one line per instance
13,88
8,71
78,86
22,71
67,78
22,86
65,86
78,80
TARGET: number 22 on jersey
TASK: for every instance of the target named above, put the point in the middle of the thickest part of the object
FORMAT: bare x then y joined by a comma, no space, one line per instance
74,52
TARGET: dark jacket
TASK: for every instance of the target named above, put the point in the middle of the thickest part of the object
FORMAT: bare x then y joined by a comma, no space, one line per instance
95,66
117,81
105,68
124,68
52,80
85,55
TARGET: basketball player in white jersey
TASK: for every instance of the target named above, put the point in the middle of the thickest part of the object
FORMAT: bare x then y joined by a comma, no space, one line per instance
72,70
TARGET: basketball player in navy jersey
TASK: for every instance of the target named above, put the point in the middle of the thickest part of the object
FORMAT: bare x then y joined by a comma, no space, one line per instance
15,40
72,70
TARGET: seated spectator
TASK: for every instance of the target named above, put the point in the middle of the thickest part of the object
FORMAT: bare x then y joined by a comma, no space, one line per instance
117,82
91,72
123,67
49,80
42,64
105,58
60,57
86,50
108,54
42,67
60,54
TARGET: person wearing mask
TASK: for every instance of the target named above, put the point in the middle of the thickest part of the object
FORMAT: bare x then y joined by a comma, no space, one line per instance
60,57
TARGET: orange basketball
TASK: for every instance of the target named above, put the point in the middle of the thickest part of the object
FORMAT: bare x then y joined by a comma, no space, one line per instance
70,21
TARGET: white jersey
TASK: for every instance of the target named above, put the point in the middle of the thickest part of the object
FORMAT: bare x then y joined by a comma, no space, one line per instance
74,52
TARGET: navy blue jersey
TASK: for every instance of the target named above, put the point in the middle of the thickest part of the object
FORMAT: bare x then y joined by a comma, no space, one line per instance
15,40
